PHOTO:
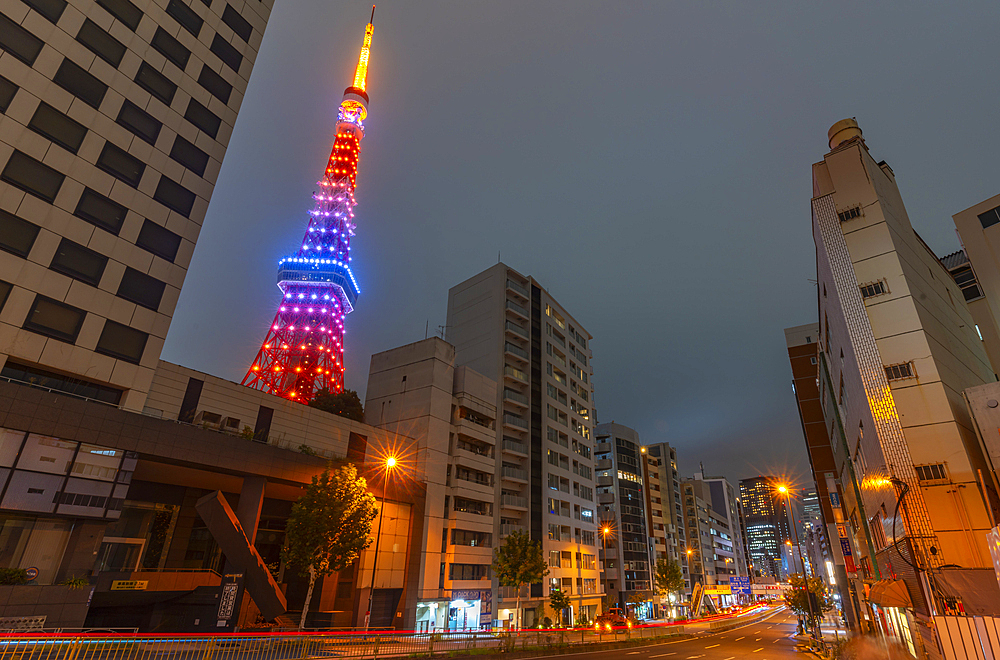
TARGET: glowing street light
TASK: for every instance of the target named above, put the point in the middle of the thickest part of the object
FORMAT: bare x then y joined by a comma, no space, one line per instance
390,463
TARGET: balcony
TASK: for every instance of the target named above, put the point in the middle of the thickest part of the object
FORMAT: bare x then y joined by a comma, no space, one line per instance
507,530
514,421
519,289
603,448
605,498
513,447
513,502
515,374
517,309
603,464
516,398
516,329
514,474
605,481
516,351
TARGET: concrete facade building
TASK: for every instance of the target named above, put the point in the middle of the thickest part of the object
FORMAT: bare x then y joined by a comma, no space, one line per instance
765,521
417,391
898,346
712,528
621,491
507,327
116,118
665,515
725,502
979,277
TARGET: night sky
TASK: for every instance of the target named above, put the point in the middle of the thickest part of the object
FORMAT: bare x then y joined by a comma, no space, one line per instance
648,163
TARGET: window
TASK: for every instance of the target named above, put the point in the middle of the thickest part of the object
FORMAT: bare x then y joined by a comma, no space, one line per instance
139,122
184,15
475,539
119,164
849,214
229,55
80,84
155,83
554,532
553,481
170,48
5,289
873,289
174,196
189,156
32,177
215,84
49,122
50,9
203,118
7,92
98,210
54,319
935,472
141,289
16,234
240,25
469,572
554,559
124,11
161,242
121,342
900,371
990,218
101,43
19,42
78,262
58,382
587,562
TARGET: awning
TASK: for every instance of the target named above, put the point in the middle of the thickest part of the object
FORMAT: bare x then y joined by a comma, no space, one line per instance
889,593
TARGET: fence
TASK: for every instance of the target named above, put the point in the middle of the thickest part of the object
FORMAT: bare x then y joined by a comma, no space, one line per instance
304,646
974,637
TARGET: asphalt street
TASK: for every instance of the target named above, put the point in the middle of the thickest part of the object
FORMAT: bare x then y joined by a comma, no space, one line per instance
766,640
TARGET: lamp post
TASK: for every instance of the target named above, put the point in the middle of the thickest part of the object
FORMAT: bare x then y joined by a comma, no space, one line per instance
604,545
791,523
390,463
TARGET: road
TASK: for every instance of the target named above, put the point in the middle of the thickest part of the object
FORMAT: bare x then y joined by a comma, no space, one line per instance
770,639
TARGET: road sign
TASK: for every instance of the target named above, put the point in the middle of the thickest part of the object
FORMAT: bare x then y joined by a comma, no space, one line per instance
739,585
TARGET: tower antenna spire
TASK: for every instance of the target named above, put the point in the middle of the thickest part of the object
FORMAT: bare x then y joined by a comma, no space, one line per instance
372,21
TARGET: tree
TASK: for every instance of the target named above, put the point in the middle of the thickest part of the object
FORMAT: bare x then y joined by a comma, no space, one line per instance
519,562
329,526
797,599
669,577
559,601
346,404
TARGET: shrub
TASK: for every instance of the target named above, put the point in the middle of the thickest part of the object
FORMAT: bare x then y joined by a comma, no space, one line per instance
75,583
10,576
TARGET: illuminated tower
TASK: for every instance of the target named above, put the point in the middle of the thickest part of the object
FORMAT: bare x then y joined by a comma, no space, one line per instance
304,348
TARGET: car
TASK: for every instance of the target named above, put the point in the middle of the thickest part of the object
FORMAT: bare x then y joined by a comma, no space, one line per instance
613,618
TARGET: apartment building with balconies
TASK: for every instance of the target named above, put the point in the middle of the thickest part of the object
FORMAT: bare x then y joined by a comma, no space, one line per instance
666,517
507,326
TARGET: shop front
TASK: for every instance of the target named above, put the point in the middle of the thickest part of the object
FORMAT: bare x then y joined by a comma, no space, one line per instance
465,610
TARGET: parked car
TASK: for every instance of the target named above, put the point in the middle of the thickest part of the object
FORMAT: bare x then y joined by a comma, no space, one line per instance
613,618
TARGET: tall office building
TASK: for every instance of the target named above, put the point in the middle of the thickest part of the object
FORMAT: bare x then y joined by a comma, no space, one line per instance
509,328
664,512
976,269
898,346
116,118
765,521
622,489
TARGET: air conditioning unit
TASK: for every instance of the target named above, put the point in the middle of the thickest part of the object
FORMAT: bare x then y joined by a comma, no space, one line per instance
206,418
231,424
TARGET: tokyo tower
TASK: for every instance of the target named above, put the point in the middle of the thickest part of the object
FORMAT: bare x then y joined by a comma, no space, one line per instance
304,348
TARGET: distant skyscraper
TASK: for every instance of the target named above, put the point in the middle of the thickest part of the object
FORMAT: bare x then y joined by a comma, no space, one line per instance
116,117
765,520
508,328
303,351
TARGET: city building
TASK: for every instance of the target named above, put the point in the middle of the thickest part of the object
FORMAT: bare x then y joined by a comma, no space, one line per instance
665,518
507,327
765,521
416,391
722,497
711,521
621,491
824,517
897,347
303,350
976,269
116,118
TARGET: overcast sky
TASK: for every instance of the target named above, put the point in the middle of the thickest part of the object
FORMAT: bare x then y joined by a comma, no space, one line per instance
648,163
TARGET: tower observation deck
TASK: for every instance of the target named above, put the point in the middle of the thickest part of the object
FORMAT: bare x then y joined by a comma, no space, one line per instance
303,351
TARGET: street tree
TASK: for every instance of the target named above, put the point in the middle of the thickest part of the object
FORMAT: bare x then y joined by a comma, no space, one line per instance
329,526
669,577
797,598
559,600
519,562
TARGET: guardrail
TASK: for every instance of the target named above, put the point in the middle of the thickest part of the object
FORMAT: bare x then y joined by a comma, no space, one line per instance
311,645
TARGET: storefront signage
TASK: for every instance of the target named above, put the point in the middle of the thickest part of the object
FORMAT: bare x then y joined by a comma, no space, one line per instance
835,500
718,590
129,585
845,548
32,573
228,598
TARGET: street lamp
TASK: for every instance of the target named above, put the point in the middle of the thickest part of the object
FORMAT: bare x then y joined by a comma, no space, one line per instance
390,463
784,490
